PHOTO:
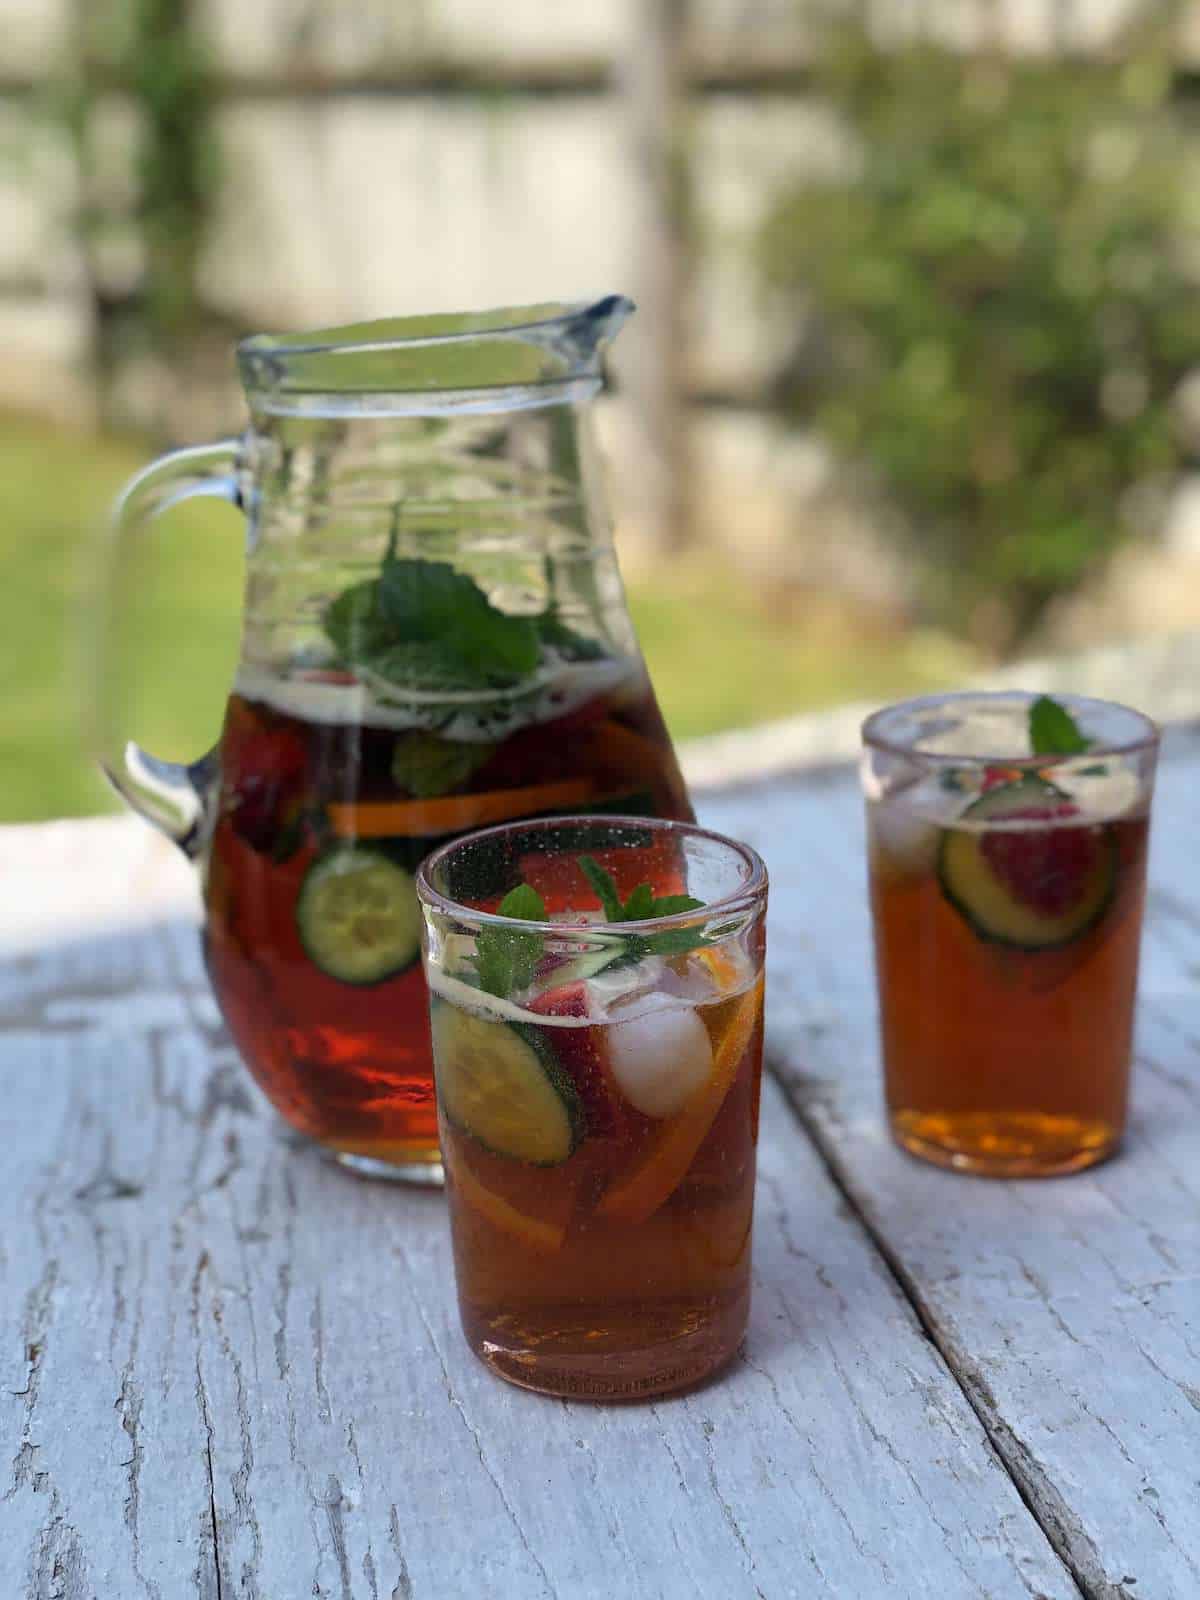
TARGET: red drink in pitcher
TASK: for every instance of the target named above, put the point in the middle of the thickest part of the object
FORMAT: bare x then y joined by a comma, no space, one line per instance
328,804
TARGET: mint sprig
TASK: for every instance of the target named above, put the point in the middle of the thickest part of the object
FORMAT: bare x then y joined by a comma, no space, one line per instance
642,906
1053,731
424,624
424,621
506,958
606,888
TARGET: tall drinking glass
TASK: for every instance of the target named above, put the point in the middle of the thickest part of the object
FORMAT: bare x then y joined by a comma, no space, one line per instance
597,1086
1007,891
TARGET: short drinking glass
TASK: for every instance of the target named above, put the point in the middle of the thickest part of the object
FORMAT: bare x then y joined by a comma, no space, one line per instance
1007,891
596,1010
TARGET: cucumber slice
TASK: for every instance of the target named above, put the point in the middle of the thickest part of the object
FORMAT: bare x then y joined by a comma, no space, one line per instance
499,1082
1032,888
358,916
580,968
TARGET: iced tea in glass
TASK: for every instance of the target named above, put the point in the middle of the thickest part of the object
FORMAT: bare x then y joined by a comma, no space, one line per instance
596,1010
1007,881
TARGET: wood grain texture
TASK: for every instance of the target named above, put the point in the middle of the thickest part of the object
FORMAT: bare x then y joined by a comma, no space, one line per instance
228,1369
1069,1310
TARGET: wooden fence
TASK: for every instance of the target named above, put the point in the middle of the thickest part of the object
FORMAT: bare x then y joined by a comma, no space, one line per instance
381,159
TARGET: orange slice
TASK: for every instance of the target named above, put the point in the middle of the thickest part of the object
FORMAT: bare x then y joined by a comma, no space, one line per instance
534,1231
720,963
639,1196
455,813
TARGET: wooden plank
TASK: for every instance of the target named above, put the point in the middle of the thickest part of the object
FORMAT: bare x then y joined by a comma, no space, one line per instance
1070,1311
226,1368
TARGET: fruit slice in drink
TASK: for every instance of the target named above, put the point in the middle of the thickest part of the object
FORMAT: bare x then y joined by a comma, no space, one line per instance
638,1195
514,1118
582,1054
358,917
455,813
1038,878
500,1083
539,1232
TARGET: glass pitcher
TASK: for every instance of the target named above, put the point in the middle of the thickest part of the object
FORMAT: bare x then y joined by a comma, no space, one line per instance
434,638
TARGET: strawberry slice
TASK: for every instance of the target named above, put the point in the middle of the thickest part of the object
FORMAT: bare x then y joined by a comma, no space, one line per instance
264,774
1048,869
580,1052
1025,869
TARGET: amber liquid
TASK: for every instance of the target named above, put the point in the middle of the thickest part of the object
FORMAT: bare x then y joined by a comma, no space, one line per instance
999,1060
558,1294
350,1065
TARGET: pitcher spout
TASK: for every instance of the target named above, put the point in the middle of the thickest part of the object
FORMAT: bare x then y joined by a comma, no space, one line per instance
592,328
368,366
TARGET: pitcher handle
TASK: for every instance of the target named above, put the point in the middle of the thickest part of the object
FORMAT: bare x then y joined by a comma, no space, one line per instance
178,798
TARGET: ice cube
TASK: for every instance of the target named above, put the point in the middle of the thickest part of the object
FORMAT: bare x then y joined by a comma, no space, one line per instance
1103,790
661,1057
907,840
709,973
623,983
906,826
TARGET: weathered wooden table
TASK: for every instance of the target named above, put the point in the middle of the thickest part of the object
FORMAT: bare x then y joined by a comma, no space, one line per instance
228,1369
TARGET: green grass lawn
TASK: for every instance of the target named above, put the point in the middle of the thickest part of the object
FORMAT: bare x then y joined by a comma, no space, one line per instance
717,659
721,659
58,488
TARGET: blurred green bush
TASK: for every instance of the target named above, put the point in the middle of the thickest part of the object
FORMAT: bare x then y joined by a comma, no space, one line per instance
996,301
141,218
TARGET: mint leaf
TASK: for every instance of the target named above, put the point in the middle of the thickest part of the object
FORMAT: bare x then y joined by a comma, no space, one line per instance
1053,731
643,905
421,664
670,905
431,600
604,885
670,942
505,958
422,599
425,765
353,623
523,903
640,904
423,624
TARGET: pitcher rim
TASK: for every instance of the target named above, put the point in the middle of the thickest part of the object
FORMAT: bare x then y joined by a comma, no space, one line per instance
516,319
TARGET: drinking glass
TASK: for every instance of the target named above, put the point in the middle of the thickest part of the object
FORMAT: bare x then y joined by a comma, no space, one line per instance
1007,891
597,1089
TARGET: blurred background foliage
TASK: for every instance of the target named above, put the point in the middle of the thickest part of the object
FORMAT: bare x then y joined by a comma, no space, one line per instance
995,301
141,239
976,313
